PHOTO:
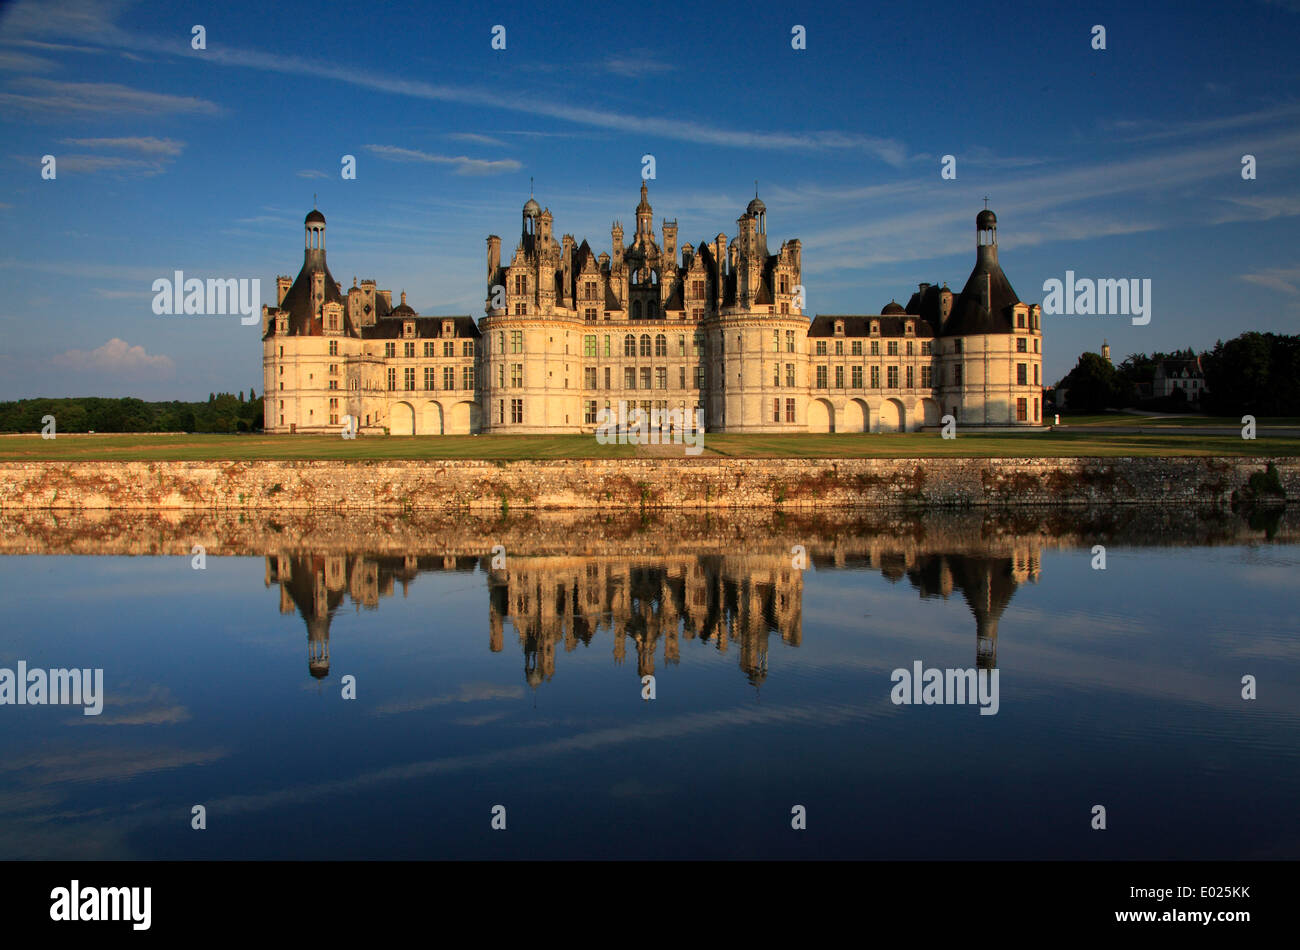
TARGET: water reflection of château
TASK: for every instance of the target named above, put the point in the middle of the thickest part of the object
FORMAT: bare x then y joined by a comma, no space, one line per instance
726,599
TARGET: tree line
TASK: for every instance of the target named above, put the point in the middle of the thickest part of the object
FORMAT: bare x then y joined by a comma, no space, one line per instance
1254,373
223,412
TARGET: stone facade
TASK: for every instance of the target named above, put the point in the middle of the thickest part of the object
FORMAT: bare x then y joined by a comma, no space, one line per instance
612,484
717,329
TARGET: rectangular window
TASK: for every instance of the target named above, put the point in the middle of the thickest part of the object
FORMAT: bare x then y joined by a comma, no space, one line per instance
839,347
776,345
448,348
875,347
392,377
789,410
1022,374
857,377
821,348
892,347
892,375
875,377
699,377
1022,345
589,377
856,348
334,347
789,341
516,375
645,377
1036,374
449,377
1036,410
911,377
607,377
607,351
776,374
956,375
681,377
516,410
821,377
467,377
1022,410
590,416
589,345
408,377
776,410
467,348
390,350
926,347
681,344
428,348
408,350
629,377
428,377
925,377
516,341
839,376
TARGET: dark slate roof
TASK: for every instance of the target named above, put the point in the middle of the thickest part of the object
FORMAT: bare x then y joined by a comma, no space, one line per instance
893,307
314,216
860,325
969,315
297,302
390,328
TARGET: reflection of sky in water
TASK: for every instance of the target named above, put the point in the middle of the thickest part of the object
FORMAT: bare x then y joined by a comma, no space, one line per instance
1119,688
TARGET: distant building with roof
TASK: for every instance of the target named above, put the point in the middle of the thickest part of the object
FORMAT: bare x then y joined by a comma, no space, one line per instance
1182,375
717,327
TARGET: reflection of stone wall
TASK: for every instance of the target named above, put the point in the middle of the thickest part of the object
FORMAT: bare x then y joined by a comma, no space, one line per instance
828,537
710,483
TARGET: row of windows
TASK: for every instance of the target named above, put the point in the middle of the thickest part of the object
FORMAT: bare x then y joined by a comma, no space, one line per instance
891,347
590,409
856,376
430,348
467,379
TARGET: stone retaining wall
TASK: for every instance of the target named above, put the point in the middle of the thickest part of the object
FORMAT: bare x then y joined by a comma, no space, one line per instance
630,483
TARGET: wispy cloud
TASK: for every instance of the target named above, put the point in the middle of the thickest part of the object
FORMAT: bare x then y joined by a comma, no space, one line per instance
673,128
463,164
13,61
475,138
147,145
116,356
53,98
1284,280
636,65
312,173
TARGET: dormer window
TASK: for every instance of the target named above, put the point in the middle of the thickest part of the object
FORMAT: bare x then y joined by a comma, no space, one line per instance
910,328
408,328
839,327
875,328
448,328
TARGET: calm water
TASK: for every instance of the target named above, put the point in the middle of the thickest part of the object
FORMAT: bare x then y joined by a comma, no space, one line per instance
521,686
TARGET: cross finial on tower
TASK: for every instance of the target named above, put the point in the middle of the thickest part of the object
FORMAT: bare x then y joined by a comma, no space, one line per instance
313,199
530,186
986,202
755,187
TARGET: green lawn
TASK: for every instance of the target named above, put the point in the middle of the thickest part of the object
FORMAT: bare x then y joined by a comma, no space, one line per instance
901,445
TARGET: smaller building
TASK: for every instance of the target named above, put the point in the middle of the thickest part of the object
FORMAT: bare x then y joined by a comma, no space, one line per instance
1185,376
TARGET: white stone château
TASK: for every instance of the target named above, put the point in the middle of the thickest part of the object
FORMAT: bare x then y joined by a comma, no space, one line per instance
717,327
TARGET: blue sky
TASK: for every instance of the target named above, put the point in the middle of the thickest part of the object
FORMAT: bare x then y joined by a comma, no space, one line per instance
1123,162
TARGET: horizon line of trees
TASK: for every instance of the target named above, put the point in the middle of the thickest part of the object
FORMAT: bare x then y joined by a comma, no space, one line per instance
1253,373
223,412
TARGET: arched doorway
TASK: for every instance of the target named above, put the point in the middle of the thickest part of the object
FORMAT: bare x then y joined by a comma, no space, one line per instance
891,416
432,422
857,417
821,416
930,411
402,419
